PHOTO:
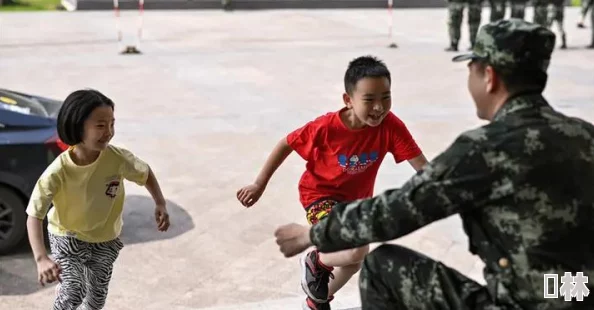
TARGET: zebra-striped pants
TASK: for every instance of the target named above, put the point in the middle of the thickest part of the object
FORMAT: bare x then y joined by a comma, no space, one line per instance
86,271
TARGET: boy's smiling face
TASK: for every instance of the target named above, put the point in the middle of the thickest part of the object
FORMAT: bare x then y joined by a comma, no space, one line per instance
370,101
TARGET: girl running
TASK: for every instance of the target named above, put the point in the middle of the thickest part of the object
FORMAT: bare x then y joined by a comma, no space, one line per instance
85,185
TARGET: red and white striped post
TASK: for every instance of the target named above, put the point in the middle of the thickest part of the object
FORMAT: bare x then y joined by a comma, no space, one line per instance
130,49
391,19
140,21
116,10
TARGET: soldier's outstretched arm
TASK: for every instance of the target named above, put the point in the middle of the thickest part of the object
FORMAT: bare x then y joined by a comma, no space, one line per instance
456,181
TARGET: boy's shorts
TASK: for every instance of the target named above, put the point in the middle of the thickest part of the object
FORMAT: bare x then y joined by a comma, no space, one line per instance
319,210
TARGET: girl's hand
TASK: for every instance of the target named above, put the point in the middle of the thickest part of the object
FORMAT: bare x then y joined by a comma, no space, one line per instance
48,271
162,218
250,194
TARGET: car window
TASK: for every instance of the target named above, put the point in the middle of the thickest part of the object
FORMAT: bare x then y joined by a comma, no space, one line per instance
19,104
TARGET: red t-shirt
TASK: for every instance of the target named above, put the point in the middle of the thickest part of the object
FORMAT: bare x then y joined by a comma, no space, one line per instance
342,163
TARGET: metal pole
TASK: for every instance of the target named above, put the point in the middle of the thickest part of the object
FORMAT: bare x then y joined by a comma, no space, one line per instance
116,10
140,21
391,18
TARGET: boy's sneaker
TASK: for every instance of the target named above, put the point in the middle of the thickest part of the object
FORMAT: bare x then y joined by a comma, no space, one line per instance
310,304
315,277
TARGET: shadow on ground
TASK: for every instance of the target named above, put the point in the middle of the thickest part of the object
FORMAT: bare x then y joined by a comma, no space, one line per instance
18,272
140,225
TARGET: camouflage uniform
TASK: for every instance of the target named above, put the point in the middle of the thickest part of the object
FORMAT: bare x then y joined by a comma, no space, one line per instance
226,4
522,185
497,10
518,8
588,5
540,12
455,9
557,14
592,26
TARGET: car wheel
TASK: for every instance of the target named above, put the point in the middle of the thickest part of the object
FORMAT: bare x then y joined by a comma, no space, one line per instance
13,220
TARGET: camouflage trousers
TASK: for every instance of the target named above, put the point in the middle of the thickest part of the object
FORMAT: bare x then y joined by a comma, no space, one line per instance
541,12
557,15
586,6
455,15
518,8
544,17
395,277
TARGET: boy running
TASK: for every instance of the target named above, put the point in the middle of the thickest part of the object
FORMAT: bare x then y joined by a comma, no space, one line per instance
343,150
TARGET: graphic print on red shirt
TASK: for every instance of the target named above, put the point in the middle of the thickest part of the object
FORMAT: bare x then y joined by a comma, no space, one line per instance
342,163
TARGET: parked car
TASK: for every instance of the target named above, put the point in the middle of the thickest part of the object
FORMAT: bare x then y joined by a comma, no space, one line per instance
28,144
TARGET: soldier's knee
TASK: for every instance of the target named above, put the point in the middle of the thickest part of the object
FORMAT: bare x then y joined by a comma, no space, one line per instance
396,254
375,257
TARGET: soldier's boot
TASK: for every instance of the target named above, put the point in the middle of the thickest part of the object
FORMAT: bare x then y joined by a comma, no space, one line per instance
310,304
315,277
453,47
580,25
563,41
226,4
471,46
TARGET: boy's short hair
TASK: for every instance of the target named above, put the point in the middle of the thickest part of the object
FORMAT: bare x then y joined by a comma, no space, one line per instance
76,110
362,67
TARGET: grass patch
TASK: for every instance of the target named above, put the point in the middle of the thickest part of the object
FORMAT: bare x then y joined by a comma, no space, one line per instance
29,5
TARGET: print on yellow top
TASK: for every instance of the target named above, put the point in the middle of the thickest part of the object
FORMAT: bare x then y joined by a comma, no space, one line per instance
87,200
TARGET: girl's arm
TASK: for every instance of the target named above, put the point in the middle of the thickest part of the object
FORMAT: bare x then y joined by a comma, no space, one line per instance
152,185
161,214
41,198
35,233
136,170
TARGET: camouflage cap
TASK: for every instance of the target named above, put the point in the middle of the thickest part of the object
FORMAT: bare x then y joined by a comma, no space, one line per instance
513,44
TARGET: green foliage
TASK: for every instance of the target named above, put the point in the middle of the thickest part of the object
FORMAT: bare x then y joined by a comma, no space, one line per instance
29,5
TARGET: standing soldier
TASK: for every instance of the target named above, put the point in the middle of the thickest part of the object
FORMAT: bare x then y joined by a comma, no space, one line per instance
592,23
518,8
540,12
522,185
455,15
226,4
586,5
497,10
557,16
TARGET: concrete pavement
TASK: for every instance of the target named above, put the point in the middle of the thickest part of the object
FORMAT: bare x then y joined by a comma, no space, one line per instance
204,105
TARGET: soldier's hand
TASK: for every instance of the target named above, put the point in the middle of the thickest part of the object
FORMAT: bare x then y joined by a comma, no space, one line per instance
292,239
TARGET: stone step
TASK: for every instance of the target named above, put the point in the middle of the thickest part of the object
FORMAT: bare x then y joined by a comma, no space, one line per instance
344,302
249,4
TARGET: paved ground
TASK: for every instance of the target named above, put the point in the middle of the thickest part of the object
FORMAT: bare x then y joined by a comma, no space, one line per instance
206,103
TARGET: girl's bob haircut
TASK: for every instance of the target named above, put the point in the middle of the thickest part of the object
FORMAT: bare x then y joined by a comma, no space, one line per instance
75,111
